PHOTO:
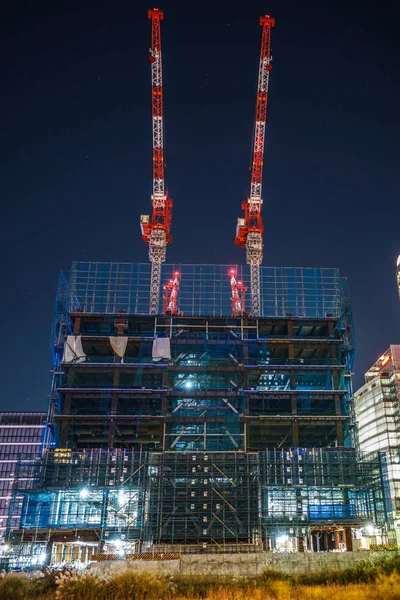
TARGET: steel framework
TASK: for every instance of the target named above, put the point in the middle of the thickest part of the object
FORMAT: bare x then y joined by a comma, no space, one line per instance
204,290
156,231
249,232
124,501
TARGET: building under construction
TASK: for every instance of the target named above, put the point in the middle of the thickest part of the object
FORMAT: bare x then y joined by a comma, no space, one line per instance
184,417
198,431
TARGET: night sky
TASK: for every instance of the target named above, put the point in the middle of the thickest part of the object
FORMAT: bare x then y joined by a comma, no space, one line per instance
76,152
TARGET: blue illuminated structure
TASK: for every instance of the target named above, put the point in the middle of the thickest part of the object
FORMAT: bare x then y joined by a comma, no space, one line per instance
200,429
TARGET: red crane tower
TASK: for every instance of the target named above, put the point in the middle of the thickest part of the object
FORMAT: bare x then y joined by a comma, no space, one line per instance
156,230
238,298
170,297
249,231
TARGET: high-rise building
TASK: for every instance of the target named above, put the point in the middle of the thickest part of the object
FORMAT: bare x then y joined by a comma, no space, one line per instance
21,435
198,430
377,415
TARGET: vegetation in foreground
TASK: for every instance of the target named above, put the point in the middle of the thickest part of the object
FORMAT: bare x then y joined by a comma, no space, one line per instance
378,580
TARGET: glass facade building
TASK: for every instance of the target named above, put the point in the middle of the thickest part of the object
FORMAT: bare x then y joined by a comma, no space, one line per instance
21,435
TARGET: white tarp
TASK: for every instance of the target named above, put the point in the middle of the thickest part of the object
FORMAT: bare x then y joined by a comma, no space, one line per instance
161,349
73,351
118,344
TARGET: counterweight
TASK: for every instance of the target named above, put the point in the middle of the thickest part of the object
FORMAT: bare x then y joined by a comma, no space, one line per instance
156,230
249,231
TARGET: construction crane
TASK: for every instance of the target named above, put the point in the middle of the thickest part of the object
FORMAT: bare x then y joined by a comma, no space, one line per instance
170,297
156,229
238,297
249,230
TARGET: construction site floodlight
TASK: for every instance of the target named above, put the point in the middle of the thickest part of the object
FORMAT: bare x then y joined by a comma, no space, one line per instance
370,529
84,493
282,539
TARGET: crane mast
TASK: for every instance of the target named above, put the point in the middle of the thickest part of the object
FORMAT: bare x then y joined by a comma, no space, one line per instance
249,231
170,296
238,298
156,230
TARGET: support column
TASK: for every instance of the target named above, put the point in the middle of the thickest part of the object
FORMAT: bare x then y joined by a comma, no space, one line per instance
337,539
336,381
113,409
163,421
121,325
339,424
65,422
339,433
77,325
295,433
348,539
289,328
333,355
292,379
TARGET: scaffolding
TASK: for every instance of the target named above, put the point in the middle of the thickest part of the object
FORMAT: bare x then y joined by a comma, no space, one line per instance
198,430
107,288
146,501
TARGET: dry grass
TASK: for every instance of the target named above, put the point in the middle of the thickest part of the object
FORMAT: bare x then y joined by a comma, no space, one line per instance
386,587
378,581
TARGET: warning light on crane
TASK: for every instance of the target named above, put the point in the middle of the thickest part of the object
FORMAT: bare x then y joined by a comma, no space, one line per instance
238,297
170,297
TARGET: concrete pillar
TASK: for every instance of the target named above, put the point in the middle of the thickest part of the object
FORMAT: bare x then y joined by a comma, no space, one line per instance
289,328
295,433
65,422
339,433
332,348
121,327
111,434
113,410
292,379
348,539
77,325
337,539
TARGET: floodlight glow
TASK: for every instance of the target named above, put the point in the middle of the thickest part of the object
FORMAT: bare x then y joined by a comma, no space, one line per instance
84,493
282,539
370,529
188,385
122,498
